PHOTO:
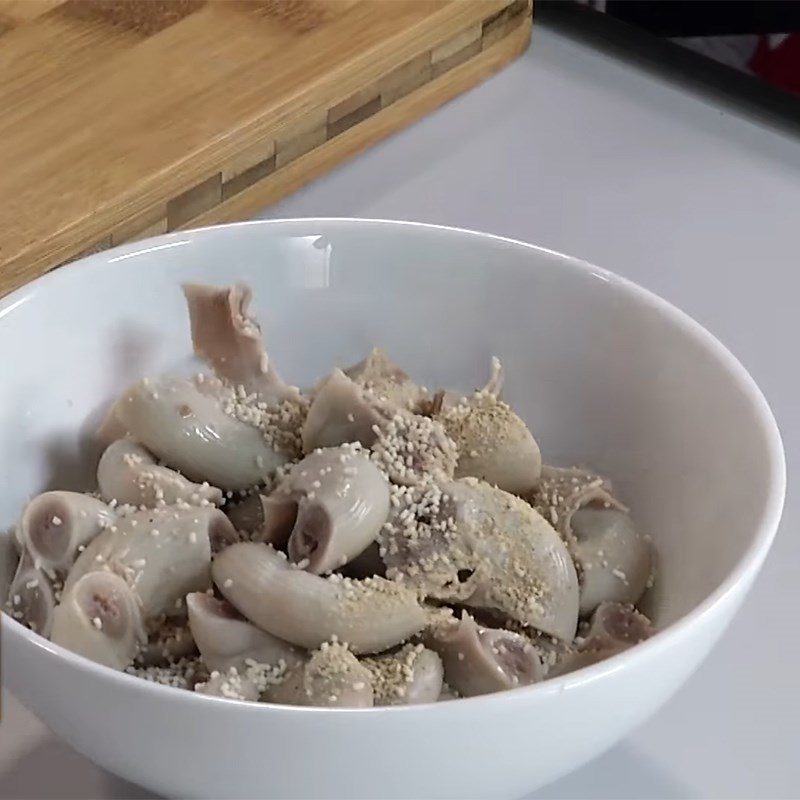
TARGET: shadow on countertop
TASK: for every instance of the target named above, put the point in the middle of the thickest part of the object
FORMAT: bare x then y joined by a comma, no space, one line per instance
54,771
622,773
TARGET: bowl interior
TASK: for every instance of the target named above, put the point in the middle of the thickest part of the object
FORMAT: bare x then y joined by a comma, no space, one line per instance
605,374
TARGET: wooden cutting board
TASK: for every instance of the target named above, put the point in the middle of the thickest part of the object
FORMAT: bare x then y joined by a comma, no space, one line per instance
124,119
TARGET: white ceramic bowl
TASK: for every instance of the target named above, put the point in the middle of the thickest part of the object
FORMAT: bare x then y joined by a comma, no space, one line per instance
604,372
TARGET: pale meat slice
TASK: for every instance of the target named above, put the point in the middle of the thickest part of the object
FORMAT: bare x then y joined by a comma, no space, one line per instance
224,335
614,560
476,545
340,412
386,381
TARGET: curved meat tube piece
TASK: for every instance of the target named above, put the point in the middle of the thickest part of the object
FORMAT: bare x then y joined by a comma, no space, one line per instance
226,640
129,474
229,339
386,381
614,560
484,548
494,444
98,617
340,413
411,676
55,526
331,677
31,597
330,507
563,490
614,627
188,429
307,610
163,554
484,660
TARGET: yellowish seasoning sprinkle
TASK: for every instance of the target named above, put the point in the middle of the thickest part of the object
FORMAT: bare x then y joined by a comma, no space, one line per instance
279,423
482,424
412,450
392,674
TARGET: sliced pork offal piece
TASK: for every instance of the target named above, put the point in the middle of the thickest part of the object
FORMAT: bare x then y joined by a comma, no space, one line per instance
370,615
386,381
473,544
128,473
186,426
410,676
225,336
480,660
329,508
226,640
617,625
99,618
614,560
494,444
163,554
110,428
31,597
563,490
414,450
613,628
56,526
340,412
331,677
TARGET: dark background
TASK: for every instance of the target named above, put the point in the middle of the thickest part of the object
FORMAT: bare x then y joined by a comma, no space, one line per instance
708,17
642,32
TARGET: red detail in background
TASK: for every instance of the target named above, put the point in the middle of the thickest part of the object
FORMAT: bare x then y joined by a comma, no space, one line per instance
778,65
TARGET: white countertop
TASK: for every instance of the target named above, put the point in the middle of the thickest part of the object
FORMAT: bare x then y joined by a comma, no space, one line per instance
578,151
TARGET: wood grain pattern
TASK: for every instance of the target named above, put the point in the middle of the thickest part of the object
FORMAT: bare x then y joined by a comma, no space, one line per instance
404,112
154,115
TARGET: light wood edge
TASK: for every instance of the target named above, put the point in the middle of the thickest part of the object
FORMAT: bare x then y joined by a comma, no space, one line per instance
86,234
319,158
392,118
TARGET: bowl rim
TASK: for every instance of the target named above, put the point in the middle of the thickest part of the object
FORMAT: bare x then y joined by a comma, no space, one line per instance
740,575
